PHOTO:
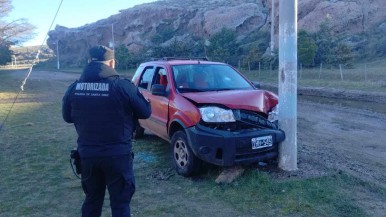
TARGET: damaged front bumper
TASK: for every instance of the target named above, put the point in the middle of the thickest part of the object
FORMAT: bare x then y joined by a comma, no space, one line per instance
234,147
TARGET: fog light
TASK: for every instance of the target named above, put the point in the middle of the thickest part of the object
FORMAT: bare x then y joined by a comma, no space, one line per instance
204,150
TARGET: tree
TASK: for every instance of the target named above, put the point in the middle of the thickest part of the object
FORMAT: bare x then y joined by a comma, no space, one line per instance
306,48
380,48
13,32
252,58
343,55
122,56
5,54
376,44
325,42
164,34
175,48
222,45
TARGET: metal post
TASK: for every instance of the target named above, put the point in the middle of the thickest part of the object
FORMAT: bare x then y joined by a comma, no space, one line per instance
301,70
366,72
288,83
272,27
57,54
112,36
341,73
13,61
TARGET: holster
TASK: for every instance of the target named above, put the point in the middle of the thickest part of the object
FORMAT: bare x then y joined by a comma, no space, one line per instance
76,161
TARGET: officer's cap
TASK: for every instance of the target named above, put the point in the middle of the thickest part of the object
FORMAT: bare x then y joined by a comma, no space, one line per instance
101,53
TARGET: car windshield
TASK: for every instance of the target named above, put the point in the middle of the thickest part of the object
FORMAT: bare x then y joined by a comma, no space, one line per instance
208,77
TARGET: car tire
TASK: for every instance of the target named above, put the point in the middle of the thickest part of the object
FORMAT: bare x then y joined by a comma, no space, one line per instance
184,160
138,132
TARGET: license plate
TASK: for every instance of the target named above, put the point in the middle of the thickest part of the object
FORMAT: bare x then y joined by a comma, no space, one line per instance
261,142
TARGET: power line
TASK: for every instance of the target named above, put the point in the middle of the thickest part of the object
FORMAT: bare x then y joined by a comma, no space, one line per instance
30,69
52,23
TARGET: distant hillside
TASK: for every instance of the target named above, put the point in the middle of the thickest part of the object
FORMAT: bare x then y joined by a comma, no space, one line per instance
162,22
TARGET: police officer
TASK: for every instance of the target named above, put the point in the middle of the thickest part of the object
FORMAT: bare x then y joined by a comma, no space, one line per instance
104,109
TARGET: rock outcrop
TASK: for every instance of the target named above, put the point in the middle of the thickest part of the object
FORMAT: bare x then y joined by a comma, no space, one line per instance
191,19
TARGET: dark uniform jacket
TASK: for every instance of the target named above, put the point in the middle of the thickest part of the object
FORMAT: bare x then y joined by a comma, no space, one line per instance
104,109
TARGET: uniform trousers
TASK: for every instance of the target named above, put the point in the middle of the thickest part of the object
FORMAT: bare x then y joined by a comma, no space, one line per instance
115,173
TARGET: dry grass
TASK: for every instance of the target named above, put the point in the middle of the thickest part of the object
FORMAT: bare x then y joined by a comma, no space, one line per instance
36,178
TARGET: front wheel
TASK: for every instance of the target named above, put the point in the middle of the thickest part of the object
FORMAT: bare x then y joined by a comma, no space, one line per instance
184,160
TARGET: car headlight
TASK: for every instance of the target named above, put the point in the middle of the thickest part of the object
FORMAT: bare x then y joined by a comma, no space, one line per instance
216,114
274,114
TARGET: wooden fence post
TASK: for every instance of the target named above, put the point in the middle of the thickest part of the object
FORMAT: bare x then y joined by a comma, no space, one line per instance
341,73
365,72
320,70
301,70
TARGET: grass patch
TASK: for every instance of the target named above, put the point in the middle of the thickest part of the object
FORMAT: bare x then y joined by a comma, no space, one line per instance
256,192
36,178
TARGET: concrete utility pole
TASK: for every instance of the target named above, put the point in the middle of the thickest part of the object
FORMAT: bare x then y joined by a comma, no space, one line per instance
57,54
288,83
272,27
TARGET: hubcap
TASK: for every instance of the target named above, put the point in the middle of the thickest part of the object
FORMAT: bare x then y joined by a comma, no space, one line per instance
180,153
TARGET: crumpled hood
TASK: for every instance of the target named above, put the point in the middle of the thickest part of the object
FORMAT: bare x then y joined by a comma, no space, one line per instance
255,100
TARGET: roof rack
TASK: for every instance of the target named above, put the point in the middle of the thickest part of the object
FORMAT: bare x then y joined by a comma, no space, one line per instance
179,58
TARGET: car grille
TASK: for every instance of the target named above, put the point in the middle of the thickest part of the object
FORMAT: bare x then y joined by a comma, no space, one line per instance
254,119
245,120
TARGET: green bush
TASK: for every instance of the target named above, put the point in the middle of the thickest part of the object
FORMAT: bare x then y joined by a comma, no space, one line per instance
306,49
5,54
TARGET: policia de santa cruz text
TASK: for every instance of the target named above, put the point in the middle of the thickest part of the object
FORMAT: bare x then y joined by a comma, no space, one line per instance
104,109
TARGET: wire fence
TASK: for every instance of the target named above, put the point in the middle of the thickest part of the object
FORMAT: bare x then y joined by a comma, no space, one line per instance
370,76
17,66
361,72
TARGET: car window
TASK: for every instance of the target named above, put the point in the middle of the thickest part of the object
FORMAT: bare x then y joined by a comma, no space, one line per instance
137,73
147,77
161,71
208,77
181,76
228,78
160,76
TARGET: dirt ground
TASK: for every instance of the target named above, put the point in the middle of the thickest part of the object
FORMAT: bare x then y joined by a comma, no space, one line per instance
343,138
331,138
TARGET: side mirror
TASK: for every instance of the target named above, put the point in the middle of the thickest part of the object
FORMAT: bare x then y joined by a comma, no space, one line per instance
158,90
256,84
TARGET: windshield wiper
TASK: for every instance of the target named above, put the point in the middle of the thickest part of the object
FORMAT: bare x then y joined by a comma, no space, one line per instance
185,90
222,89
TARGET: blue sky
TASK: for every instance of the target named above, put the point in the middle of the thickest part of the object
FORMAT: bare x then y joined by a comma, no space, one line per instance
73,13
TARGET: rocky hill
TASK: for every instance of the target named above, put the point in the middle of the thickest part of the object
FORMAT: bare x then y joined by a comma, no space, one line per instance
189,20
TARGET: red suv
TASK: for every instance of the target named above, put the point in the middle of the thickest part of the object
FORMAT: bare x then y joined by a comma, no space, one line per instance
209,112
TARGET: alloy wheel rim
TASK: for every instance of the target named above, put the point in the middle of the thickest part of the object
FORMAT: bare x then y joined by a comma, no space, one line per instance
181,153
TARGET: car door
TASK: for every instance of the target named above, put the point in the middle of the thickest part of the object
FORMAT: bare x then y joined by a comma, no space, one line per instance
158,122
144,84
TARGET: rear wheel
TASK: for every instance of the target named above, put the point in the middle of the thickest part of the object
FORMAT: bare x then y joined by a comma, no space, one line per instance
184,160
